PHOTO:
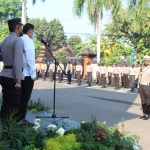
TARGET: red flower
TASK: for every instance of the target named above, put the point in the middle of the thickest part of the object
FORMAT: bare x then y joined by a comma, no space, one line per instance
119,132
98,139
84,134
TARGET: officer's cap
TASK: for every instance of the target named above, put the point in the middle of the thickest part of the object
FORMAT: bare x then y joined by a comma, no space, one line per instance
14,21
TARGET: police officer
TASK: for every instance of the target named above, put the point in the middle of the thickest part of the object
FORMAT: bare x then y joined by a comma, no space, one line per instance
144,88
11,50
79,70
69,72
89,71
60,70
44,68
52,71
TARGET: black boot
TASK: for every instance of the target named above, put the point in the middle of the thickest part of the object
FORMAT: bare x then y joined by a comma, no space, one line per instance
144,111
147,112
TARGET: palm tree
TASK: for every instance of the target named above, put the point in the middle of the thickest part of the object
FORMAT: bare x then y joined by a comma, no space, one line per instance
24,9
95,14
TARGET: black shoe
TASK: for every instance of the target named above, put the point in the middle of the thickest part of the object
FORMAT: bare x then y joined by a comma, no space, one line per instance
68,83
141,117
146,117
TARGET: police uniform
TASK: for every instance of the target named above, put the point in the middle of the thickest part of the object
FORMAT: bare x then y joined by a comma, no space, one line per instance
52,71
43,68
117,75
79,70
104,74
60,70
11,49
144,90
69,72
125,73
89,71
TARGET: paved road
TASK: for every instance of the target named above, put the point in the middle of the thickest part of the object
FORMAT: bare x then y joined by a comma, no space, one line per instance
82,102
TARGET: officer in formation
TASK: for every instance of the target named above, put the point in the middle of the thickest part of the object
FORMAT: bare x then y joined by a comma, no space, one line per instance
89,72
79,70
69,72
52,71
43,69
60,70
144,88
11,49
37,66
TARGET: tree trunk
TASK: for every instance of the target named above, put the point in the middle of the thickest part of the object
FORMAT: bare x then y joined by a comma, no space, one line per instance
99,27
23,11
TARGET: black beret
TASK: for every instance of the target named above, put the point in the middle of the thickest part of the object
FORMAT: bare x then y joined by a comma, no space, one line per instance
15,21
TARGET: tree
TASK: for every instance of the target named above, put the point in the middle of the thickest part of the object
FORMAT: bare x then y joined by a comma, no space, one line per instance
9,9
57,34
61,55
3,32
78,49
24,13
54,27
73,41
95,14
41,26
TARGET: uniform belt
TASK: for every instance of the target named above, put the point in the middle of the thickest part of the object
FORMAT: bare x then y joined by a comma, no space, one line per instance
8,67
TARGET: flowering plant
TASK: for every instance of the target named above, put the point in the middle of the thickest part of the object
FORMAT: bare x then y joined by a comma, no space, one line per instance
95,135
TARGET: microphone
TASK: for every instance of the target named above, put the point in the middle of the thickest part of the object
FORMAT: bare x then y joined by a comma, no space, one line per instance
42,41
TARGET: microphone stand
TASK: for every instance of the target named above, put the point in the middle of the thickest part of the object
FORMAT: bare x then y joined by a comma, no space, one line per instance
54,101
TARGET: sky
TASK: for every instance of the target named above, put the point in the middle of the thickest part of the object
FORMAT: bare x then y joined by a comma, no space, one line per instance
63,10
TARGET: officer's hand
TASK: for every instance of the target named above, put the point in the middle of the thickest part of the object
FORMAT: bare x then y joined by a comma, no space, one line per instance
17,86
33,79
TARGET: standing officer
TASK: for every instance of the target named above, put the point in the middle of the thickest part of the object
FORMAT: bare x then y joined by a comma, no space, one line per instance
11,50
69,72
144,88
125,73
37,70
44,68
89,71
104,74
29,69
117,75
133,77
99,74
79,70
52,71
109,74
60,71
97,68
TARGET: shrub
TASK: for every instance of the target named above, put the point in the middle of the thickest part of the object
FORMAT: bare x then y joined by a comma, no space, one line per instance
66,142
37,106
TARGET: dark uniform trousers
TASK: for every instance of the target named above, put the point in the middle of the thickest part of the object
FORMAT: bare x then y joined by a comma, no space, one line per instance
109,78
51,74
43,74
99,78
89,78
11,97
27,86
122,81
103,80
79,77
125,80
37,74
69,76
132,81
59,75
116,80
144,91
112,80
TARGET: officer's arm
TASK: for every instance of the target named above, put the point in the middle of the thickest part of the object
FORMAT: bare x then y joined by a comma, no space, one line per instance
18,60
